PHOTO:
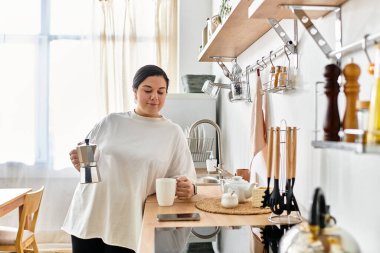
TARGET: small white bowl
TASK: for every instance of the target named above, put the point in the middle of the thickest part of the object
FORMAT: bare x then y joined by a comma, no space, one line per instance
229,200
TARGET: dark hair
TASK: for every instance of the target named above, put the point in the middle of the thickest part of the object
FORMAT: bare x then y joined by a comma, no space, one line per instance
147,71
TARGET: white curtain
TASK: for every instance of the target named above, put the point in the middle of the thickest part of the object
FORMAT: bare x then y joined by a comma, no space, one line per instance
166,39
132,34
116,27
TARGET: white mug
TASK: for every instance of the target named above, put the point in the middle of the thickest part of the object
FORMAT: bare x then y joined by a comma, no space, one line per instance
165,191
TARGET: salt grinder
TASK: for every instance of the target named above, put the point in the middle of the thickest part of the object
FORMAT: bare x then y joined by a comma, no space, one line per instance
89,171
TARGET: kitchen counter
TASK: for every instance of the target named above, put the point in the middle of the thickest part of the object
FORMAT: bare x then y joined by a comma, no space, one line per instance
187,206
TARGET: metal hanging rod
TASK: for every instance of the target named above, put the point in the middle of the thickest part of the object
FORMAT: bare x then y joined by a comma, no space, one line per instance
265,60
370,40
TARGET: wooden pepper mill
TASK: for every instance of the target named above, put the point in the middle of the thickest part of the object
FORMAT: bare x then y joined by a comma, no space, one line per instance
351,73
331,126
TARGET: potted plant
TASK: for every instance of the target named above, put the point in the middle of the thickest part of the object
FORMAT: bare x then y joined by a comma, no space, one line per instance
224,9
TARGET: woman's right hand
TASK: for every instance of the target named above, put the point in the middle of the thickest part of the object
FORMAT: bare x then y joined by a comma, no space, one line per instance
74,159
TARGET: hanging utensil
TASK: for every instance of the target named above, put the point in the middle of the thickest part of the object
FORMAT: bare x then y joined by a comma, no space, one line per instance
291,202
269,167
276,201
294,163
289,164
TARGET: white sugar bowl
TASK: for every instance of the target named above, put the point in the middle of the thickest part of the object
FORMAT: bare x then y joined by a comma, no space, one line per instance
230,199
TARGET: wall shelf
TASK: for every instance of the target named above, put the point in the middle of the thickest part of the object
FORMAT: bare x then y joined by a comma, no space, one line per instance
353,147
277,8
239,31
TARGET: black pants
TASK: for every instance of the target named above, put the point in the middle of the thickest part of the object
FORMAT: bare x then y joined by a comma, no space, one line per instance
95,245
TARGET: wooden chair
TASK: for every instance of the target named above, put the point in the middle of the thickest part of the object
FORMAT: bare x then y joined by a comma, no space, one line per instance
19,239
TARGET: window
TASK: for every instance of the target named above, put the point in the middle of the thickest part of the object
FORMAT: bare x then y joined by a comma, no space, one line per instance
49,95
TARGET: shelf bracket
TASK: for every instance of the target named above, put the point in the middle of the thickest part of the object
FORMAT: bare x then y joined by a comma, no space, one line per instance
283,35
315,34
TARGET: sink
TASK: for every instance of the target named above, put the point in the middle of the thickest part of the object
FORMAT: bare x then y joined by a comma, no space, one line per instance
207,179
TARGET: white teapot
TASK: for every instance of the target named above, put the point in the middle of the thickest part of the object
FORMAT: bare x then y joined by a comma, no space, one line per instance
241,187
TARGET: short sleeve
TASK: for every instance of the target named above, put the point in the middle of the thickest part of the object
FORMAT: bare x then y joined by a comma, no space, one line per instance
94,133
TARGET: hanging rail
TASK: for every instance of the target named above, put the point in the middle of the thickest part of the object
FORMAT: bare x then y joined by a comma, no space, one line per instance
371,40
265,60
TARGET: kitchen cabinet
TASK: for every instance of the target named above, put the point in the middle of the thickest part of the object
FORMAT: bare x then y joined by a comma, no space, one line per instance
247,23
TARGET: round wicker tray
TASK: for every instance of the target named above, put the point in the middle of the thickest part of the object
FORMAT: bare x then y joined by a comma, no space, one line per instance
212,205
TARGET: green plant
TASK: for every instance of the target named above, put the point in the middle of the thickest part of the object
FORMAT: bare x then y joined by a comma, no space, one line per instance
225,8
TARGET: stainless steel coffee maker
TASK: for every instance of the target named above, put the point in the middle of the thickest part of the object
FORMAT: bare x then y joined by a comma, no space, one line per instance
89,172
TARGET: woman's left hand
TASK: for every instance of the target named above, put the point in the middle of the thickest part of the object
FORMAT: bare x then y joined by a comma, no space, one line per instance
185,188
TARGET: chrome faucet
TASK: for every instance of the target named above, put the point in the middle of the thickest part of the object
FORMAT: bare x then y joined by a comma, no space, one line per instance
207,121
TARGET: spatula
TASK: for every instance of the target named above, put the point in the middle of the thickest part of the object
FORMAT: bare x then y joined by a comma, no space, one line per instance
291,202
276,201
294,163
269,167
289,164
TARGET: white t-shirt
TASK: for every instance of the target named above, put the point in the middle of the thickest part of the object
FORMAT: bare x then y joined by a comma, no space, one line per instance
133,152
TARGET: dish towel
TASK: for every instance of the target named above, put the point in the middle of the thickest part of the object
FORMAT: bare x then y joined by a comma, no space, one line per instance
258,126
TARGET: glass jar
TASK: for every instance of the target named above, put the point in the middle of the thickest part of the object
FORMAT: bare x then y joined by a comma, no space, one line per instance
362,110
239,91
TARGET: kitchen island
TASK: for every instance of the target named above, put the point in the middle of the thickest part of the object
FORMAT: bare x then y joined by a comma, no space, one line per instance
187,206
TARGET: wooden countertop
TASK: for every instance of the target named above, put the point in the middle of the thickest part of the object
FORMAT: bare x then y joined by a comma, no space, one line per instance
187,206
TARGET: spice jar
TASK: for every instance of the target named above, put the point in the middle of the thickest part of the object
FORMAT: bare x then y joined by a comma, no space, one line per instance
283,77
276,76
362,108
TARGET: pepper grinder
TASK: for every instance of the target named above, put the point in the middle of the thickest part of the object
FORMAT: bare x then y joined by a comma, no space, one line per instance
351,73
331,124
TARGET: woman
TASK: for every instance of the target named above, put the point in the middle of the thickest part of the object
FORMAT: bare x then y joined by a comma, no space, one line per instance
135,148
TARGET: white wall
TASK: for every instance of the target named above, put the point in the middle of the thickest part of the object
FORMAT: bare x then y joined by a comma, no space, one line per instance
192,20
349,180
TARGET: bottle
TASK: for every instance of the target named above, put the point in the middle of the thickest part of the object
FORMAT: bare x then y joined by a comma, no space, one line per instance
276,77
205,36
283,78
211,163
271,78
374,109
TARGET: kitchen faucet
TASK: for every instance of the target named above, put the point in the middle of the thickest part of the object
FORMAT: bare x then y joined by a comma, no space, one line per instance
219,168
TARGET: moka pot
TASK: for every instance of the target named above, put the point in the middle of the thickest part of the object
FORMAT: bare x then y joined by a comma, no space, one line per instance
89,172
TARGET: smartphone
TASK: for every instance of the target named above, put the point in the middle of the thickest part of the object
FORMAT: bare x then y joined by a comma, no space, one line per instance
178,217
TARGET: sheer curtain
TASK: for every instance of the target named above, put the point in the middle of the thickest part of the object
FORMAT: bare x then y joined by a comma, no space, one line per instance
166,39
116,52
132,34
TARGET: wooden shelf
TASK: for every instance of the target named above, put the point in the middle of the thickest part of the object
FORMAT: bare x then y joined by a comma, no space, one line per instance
276,9
239,31
235,35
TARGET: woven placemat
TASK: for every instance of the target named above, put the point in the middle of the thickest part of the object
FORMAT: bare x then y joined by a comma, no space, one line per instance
212,205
